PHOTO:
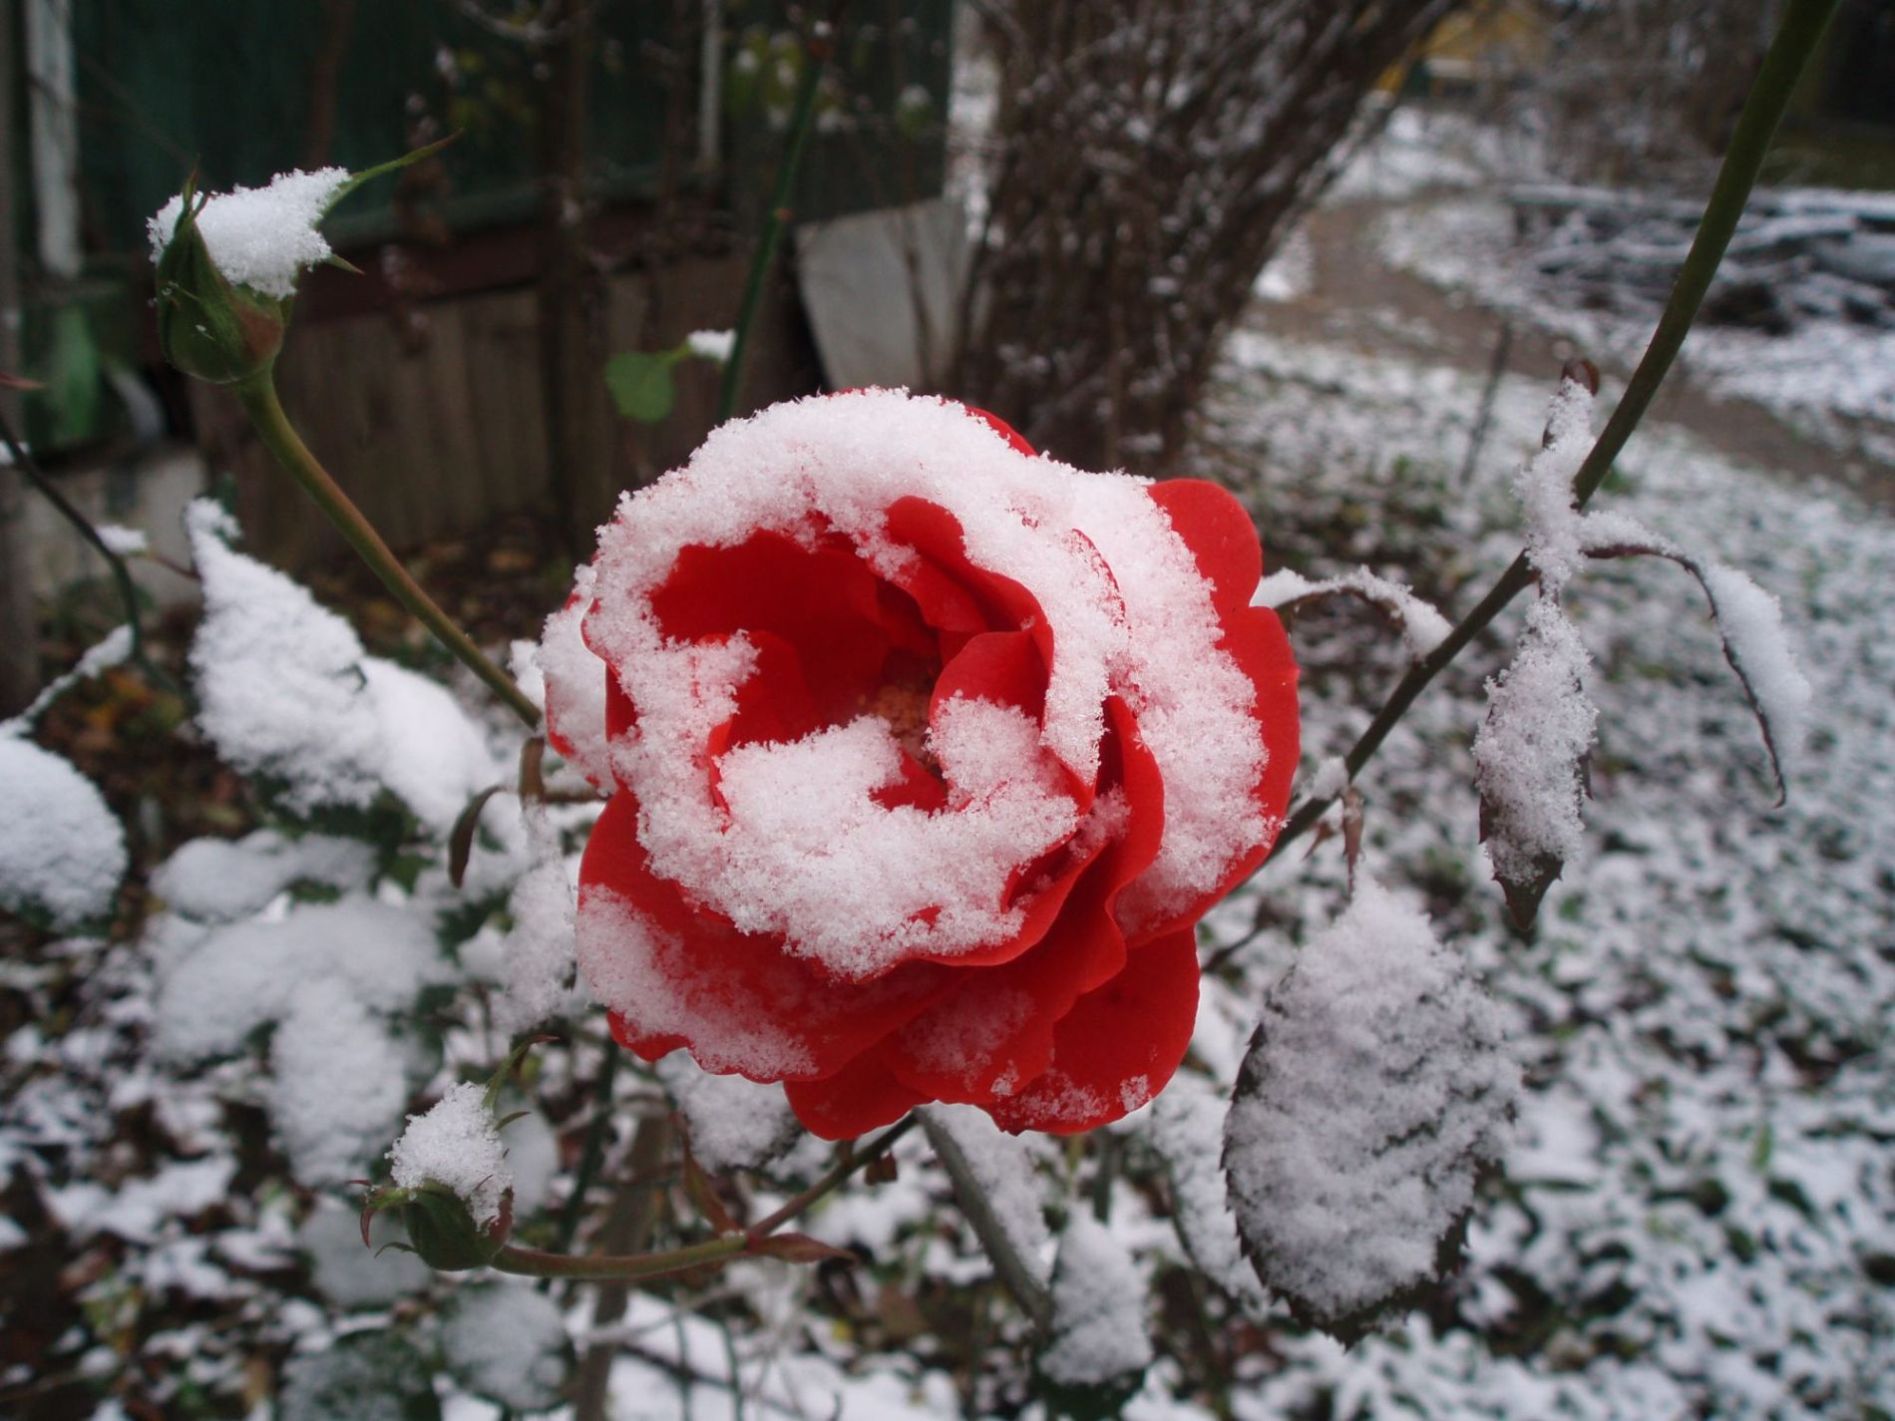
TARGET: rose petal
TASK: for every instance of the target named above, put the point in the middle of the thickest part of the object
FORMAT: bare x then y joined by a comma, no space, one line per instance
1218,530
824,603
1118,1046
685,977
1005,430
994,1030
863,1097
1003,667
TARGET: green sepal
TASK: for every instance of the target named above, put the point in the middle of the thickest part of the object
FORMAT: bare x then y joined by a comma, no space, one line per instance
209,327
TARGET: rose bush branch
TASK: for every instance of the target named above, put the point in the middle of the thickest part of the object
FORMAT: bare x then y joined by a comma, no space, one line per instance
762,1239
30,470
259,399
1802,27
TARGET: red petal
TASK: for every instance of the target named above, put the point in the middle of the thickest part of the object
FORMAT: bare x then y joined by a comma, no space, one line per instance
997,1024
1218,530
1007,431
1003,667
717,982
1255,638
863,1096
1118,1046
824,603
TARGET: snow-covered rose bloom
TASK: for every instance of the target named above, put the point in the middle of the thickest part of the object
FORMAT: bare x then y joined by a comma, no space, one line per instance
925,756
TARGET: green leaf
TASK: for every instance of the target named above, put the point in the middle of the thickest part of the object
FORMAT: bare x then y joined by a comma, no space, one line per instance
641,384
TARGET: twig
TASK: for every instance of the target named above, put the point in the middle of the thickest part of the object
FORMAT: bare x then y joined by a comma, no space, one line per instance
849,1163
279,436
816,51
1803,24
29,468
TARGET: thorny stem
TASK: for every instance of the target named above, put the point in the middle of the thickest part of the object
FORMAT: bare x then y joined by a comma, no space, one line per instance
266,413
648,1267
1803,24
1012,1270
816,54
841,1170
636,1267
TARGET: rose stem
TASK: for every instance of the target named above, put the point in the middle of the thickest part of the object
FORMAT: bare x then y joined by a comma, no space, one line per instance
1803,24
841,1170
258,395
646,1267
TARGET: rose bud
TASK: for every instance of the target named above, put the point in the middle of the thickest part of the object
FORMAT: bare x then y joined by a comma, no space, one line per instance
441,1228
208,327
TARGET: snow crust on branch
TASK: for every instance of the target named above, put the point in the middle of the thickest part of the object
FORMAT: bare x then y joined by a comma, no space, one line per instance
287,691
1421,624
1749,619
1376,1087
1099,1332
1530,751
1001,1170
263,237
456,1145
1187,1128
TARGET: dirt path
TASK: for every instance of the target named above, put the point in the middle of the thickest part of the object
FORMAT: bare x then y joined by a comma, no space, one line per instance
1356,299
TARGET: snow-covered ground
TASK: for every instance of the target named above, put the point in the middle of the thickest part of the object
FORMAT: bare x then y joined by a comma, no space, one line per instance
1694,1217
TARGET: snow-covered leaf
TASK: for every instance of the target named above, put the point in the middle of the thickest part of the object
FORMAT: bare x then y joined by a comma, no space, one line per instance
1530,758
62,853
366,1376
1099,1346
1375,1089
1422,626
507,1341
1750,622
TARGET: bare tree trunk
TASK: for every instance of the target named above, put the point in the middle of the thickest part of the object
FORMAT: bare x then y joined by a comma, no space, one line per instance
1151,155
572,358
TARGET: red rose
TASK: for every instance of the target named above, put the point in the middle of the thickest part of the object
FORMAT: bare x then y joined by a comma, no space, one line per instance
925,756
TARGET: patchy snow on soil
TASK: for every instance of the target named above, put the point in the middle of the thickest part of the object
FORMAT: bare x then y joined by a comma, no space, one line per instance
1696,1190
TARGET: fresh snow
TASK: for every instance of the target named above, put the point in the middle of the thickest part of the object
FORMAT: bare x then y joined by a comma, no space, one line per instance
1423,628
264,237
456,1145
287,693
711,345
61,848
1098,1330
